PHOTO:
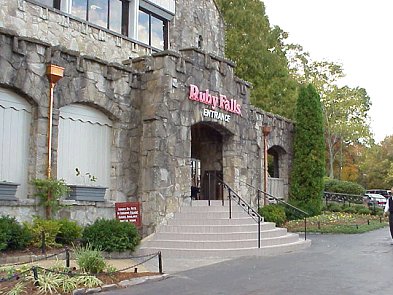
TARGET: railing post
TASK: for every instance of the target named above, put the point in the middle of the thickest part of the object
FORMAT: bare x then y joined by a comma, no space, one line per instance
159,262
35,275
230,203
209,189
67,256
259,231
305,228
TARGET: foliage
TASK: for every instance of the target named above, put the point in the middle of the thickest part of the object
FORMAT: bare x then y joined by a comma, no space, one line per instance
111,235
90,260
338,222
49,191
49,282
69,232
273,213
19,288
309,153
13,235
259,54
376,165
50,228
344,187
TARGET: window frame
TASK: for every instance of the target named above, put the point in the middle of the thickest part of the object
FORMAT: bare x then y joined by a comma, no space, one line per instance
165,30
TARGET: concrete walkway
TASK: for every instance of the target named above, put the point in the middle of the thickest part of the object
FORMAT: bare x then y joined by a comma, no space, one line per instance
334,264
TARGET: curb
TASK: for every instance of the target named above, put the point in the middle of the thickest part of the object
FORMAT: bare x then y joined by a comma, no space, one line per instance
121,285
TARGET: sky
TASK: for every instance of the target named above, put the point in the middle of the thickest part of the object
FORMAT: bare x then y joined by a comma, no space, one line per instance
358,34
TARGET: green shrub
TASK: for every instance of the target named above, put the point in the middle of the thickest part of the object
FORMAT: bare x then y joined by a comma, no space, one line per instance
90,260
273,213
334,207
51,229
344,187
351,210
70,231
363,210
13,235
111,235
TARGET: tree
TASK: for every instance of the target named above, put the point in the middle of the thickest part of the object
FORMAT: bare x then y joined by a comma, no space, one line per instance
258,52
376,166
308,167
345,109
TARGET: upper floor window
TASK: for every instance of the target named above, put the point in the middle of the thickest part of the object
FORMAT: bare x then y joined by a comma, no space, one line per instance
136,19
152,29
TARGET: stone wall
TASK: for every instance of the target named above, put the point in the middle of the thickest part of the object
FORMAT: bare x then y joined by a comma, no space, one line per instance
198,24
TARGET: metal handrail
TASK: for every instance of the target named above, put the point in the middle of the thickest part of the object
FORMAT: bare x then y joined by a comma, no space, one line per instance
259,191
232,195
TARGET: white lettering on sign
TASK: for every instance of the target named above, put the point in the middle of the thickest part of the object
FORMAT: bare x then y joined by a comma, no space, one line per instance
216,115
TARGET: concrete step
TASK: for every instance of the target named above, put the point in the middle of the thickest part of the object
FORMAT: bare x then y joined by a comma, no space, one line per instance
275,232
217,245
191,209
167,253
210,215
230,228
211,221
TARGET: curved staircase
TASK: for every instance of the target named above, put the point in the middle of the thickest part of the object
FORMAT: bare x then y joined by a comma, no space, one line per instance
202,231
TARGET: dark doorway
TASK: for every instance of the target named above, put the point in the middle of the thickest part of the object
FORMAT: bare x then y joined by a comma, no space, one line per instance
207,163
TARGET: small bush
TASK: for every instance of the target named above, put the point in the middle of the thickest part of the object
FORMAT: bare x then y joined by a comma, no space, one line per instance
51,229
90,260
351,210
70,231
273,213
344,187
111,235
363,210
13,235
334,207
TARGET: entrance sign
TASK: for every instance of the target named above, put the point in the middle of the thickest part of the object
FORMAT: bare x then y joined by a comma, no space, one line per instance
129,212
216,115
220,101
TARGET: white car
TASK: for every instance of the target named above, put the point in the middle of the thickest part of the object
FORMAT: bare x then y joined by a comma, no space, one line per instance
376,199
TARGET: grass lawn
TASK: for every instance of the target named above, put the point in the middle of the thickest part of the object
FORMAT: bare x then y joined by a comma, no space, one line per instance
338,222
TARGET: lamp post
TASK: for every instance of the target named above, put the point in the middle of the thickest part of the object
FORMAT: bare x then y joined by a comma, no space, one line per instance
54,73
266,131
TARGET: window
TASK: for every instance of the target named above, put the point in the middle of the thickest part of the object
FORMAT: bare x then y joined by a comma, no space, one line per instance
152,30
15,123
148,21
85,137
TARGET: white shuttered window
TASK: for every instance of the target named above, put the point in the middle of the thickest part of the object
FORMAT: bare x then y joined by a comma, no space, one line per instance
85,136
15,124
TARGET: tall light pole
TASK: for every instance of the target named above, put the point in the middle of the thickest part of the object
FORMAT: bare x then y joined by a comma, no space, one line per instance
54,73
266,131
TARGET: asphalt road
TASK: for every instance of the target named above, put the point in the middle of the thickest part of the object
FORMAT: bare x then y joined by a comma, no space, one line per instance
334,264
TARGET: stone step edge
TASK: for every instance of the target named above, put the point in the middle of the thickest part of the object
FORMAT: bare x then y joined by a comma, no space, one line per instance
301,241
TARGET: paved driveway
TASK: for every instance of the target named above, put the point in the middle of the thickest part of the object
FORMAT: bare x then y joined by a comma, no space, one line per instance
334,264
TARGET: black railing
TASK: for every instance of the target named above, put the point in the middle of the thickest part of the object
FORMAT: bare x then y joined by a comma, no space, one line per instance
342,198
280,201
233,196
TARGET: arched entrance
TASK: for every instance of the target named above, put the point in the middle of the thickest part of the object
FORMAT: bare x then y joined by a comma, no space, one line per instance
207,141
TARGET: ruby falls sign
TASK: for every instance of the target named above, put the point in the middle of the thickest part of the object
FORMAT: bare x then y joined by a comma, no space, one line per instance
217,102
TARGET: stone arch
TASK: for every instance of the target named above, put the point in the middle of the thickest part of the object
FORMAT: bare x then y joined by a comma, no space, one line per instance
207,153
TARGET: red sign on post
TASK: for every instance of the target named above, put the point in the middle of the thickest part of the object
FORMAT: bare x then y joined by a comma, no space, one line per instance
129,212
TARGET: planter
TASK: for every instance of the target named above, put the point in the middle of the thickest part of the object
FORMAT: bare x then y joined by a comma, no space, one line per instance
87,193
8,191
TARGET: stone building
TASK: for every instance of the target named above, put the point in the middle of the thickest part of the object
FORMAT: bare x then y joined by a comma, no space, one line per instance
148,107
